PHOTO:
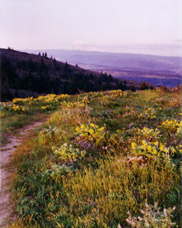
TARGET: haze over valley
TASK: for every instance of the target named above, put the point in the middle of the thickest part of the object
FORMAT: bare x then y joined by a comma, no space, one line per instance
156,70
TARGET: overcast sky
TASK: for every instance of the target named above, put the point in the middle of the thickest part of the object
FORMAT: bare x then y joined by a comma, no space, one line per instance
106,25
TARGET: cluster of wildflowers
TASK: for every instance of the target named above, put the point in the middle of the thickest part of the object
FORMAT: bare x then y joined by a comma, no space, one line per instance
51,101
47,99
171,126
50,98
149,113
47,107
115,93
151,149
95,94
78,104
22,101
62,96
85,100
91,133
14,108
67,153
147,133
47,102
179,148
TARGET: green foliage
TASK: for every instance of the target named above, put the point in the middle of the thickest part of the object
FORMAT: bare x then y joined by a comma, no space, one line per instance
171,126
151,149
149,134
67,153
56,171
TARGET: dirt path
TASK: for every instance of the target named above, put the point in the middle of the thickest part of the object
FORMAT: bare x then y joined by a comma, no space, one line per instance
5,155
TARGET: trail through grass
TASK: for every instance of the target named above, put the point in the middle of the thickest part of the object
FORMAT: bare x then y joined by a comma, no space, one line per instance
7,150
100,156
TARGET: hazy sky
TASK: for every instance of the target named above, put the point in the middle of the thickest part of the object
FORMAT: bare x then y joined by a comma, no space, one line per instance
109,25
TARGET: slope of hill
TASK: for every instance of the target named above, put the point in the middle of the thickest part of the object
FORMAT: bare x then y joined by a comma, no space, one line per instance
99,156
24,74
158,70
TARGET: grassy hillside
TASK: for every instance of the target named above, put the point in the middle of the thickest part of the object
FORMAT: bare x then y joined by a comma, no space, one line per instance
99,160
24,75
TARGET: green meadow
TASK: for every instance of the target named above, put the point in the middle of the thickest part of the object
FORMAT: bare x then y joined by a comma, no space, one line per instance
103,159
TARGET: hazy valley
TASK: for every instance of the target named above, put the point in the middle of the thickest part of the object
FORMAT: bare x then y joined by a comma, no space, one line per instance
157,70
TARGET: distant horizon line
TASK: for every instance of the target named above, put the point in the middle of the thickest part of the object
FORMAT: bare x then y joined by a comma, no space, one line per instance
93,51
98,51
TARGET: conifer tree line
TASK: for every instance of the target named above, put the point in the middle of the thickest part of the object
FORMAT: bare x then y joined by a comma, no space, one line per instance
42,78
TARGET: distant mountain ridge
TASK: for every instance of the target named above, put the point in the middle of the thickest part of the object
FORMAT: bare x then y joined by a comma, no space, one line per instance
24,75
158,70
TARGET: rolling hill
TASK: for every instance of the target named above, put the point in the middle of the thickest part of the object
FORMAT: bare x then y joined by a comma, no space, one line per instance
24,75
